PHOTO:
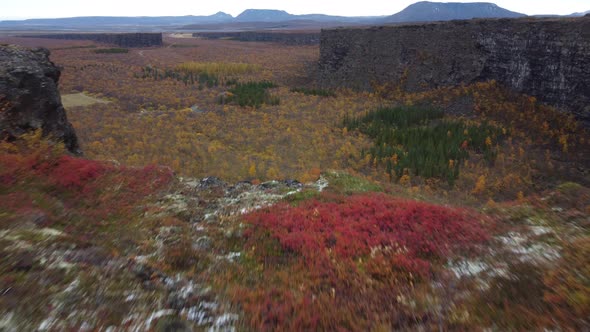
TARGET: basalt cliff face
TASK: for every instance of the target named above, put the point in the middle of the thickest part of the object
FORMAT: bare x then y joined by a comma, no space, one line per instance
29,98
545,58
289,38
120,39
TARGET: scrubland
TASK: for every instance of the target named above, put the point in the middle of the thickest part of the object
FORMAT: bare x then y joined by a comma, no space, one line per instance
461,208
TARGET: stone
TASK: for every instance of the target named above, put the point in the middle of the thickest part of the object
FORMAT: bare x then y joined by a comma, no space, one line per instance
142,271
37,218
96,256
243,185
269,185
292,183
203,243
545,58
210,182
23,261
29,98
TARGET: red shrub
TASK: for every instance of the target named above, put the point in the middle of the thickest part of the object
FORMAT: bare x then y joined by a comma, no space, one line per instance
345,263
361,224
75,173
349,263
146,180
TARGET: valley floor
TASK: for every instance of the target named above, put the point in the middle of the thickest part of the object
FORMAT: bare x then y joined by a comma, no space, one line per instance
183,216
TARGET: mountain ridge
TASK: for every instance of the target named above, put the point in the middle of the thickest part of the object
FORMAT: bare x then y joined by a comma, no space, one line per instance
424,11
122,20
580,14
427,11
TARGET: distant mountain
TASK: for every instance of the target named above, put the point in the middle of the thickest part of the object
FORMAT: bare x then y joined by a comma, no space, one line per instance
264,15
427,11
580,14
118,21
138,23
271,15
271,19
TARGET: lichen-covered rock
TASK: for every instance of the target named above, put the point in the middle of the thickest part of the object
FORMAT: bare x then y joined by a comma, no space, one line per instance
545,58
29,98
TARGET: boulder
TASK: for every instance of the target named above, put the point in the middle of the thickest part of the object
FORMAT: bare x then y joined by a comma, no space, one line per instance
29,98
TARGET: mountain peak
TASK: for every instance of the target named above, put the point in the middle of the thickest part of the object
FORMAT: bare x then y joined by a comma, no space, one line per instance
426,11
581,14
263,15
222,14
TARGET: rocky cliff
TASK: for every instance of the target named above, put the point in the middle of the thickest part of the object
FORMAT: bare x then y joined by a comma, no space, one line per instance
120,39
29,98
548,58
289,38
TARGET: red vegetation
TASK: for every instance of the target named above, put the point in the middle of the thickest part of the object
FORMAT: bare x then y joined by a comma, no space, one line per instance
40,172
359,225
349,263
74,173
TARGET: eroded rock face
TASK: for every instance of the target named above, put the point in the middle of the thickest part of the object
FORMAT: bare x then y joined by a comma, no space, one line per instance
289,38
545,58
29,98
137,39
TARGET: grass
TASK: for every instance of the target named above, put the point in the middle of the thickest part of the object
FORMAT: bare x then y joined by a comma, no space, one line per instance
348,184
302,196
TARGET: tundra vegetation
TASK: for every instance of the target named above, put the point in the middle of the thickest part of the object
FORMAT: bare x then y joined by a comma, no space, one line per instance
459,208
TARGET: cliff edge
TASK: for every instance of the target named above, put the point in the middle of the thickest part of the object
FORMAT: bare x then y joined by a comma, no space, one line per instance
29,98
545,58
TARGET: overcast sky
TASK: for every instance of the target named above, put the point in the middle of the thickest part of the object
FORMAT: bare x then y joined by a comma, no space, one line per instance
20,9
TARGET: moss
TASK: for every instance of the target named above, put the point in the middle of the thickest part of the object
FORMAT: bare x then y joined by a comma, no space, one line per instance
302,196
568,187
348,184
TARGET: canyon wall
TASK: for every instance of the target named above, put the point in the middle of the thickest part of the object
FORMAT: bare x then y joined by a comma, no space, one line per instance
545,58
120,39
289,38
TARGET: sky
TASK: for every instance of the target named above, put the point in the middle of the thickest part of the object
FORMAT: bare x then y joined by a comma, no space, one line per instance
22,9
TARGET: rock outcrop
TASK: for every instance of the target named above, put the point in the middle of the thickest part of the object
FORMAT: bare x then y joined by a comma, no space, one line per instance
29,98
545,58
119,39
